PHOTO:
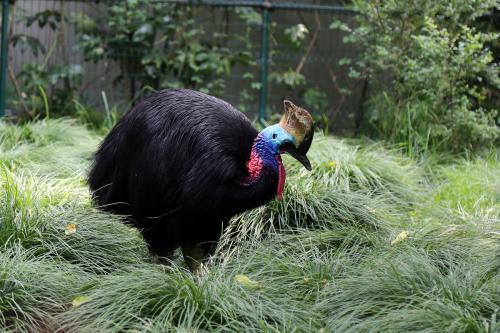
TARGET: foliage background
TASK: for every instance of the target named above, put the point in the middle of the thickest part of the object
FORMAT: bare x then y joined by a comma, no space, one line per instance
443,94
423,75
125,48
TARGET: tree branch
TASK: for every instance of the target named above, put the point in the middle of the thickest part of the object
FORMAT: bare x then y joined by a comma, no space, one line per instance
303,60
19,93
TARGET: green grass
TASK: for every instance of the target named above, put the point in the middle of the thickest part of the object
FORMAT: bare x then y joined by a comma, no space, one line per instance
33,290
57,147
329,257
471,185
38,212
411,290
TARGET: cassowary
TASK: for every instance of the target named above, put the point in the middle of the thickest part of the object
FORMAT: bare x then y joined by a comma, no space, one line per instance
181,163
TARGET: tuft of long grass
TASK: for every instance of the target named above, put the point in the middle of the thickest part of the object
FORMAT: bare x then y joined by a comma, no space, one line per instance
22,203
307,203
59,147
48,217
456,232
411,290
470,185
151,298
371,167
33,291
296,266
270,285
45,132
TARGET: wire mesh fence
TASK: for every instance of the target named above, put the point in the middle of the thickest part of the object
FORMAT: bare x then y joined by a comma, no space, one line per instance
92,52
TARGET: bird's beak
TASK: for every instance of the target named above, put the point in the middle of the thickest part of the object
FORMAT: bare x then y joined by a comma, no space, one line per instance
298,123
295,152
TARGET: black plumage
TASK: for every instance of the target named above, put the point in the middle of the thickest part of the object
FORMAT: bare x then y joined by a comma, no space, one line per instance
175,165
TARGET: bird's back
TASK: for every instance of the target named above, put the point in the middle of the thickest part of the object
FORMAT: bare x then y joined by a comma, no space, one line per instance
169,153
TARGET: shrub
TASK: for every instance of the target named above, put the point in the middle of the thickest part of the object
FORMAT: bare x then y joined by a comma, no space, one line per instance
53,82
442,73
158,45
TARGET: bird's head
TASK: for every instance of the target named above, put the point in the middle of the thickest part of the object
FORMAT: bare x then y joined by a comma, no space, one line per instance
293,134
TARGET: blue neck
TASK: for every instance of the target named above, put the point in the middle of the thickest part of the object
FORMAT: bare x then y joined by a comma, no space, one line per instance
267,151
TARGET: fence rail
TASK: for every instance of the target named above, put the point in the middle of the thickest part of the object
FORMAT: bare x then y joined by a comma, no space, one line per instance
266,4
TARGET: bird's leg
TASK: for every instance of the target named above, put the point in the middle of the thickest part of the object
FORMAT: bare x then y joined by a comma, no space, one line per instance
194,255
163,258
202,243
160,236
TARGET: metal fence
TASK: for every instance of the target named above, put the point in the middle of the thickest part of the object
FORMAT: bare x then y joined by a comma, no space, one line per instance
257,87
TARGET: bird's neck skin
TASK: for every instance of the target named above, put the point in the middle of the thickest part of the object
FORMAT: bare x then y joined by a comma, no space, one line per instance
265,160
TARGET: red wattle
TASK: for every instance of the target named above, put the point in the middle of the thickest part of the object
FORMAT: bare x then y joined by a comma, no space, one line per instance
254,167
281,177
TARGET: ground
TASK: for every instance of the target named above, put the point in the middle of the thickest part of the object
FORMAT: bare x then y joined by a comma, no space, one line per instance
370,241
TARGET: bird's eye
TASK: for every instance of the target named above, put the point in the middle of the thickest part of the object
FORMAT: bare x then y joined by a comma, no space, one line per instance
275,136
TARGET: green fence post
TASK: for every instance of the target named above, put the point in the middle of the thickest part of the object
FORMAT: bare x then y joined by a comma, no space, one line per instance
264,57
4,55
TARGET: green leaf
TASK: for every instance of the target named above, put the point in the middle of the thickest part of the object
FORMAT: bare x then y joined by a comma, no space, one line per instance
339,25
79,301
344,61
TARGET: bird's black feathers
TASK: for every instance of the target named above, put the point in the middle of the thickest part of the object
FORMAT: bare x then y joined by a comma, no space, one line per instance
174,164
